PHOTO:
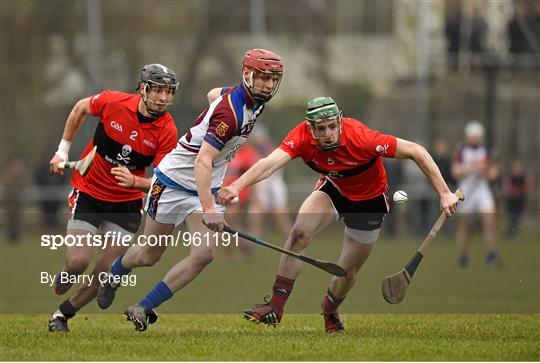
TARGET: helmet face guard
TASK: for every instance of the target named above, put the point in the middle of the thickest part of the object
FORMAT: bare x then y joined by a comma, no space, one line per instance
324,111
265,65
156,77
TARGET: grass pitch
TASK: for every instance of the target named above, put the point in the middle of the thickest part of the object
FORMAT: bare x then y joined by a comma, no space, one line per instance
300,337
450,313
230,286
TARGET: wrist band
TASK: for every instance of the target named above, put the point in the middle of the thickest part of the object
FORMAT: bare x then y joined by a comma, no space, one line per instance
63,149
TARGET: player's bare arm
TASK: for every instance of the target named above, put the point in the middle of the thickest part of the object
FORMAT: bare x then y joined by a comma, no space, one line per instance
213,94
203,180
126,179
73,124
410,150
262,169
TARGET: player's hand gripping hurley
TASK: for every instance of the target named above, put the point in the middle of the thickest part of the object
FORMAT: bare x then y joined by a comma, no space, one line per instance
83,165
394,287
329,267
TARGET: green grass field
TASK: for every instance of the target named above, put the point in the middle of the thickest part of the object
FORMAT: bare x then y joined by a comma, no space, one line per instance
229,337
449,313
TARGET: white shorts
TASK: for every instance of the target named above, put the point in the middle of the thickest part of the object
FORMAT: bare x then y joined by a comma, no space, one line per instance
478,199
172,206
272,192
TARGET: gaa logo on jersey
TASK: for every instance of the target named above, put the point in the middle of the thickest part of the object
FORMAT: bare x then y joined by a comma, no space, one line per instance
115,125
383,149
221,129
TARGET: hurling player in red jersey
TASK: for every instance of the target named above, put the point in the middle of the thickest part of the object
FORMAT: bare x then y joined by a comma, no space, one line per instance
353,187
134,131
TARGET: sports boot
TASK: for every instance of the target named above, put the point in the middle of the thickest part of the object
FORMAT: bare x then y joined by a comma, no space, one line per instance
107,291
58,323
141,316
263,313
332,324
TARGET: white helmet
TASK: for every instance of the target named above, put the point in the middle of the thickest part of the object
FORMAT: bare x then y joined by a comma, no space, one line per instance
474,128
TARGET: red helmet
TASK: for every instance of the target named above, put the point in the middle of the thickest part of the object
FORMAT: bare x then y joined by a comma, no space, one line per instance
263,60
265,63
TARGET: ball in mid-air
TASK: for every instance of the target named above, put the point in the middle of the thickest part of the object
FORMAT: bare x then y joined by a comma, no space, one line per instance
400,196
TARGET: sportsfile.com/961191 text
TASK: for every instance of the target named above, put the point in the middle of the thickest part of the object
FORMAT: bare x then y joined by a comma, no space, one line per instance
186,239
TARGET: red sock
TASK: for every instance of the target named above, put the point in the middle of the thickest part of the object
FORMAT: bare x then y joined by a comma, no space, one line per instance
331,303
280,293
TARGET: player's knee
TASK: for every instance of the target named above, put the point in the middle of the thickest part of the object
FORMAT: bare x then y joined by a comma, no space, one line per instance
150,258
202,259
78,263
300,235
351,276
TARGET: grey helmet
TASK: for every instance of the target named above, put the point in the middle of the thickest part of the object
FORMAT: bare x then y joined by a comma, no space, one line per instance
157,75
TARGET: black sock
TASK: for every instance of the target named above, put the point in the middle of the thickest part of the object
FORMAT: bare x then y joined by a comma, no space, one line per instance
67,309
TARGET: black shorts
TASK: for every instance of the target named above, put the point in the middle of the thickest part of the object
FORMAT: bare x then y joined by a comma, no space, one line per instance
364,215
127,215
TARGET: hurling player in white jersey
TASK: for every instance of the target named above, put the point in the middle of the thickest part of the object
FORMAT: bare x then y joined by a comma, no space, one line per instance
184,185
473,169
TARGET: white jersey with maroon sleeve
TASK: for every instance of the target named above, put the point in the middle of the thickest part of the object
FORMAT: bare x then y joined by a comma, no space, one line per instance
469,155
225,125
474,185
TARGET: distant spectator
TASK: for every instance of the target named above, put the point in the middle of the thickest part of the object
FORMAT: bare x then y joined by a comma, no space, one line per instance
534,21
472,167
518,42
15,178
516,185
50,205
453,34
443,159
479,27
524,34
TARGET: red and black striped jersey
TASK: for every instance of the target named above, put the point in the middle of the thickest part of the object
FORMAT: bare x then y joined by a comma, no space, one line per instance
122,139
354,167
